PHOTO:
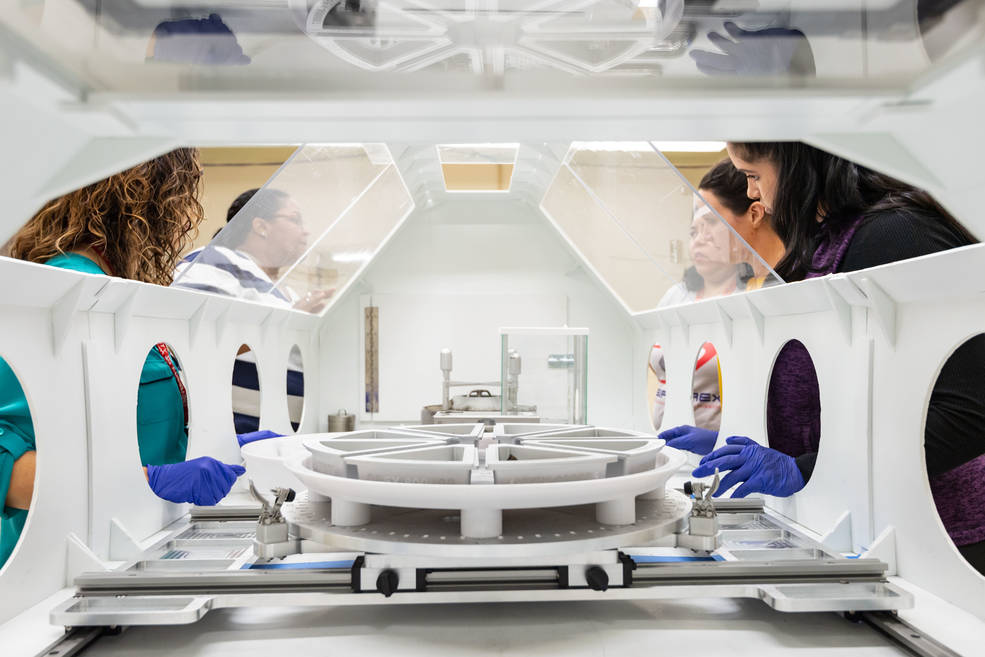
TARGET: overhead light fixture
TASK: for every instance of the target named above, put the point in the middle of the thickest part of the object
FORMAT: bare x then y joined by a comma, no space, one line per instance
477,167
689,146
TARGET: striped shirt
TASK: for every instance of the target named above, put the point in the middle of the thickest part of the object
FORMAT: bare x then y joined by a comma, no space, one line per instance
225,271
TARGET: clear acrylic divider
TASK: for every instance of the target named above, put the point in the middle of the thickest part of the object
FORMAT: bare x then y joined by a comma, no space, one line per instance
645,230
307,233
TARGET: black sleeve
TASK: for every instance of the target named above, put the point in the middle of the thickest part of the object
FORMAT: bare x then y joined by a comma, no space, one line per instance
805,463
955,431
895,235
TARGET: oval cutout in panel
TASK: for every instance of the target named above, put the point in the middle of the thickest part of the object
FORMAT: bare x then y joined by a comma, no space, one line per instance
706,388
793,406
656,386
295,387
954,437
162,408
246,391
17,461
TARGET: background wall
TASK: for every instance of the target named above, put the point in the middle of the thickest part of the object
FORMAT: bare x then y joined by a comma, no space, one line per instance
450,262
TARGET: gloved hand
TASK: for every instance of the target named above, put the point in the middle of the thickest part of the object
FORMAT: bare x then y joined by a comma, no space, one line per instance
773,51
690,439
253,436
763,470
202,481
198,41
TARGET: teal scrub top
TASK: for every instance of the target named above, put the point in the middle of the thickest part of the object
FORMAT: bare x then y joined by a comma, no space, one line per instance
162,436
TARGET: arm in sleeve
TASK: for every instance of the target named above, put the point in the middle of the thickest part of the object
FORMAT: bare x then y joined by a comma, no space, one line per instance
955,431
805,463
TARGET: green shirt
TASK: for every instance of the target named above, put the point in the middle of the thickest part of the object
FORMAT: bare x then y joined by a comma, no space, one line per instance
162,436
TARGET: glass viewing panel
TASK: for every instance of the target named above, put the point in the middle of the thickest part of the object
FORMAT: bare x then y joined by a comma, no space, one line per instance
544,372
308,232
644,229
162,45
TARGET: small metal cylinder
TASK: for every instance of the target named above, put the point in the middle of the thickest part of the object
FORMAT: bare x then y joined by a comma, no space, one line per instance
341,421
446,360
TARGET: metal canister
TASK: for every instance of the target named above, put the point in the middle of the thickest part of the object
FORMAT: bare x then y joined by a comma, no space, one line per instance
341,421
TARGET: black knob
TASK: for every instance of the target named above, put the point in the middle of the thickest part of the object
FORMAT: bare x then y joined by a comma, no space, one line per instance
688,488
290,495
386,582
597,578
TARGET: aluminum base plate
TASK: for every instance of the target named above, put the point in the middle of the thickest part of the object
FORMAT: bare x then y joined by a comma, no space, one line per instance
526,532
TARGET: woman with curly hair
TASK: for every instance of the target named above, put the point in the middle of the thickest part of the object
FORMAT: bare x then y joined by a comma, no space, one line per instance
134,225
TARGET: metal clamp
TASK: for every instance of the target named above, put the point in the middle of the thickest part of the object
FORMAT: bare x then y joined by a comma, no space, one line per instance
272,539
703,530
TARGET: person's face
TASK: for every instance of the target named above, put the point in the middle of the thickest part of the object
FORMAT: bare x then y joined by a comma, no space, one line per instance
739,222
760,177
711,242
287,236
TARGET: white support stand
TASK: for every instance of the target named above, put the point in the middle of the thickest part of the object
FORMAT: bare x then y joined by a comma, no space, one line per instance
482,523
758,320
842,309
884,308
80,559
839,537
349,514
726,323
620,511
61,315
884,549
123,316
123,546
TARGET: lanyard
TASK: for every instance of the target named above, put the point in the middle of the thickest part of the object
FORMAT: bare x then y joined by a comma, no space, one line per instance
161,347
166,355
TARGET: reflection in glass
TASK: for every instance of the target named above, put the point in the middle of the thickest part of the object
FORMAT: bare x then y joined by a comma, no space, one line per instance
17,461
317,44
295,387
301,239
246,391
954,439
630,213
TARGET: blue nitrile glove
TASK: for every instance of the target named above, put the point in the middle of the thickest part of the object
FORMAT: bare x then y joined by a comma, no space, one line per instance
773,51
690,439
202,481
763,470
253,436
198,41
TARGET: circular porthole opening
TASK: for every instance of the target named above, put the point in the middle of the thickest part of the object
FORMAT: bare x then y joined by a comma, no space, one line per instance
954,437
706,388
656,386
162,408
246,391
793,406
295,387
17,461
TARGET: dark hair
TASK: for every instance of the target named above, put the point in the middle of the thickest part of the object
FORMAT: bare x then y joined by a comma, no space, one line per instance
268,202
728,184
810,182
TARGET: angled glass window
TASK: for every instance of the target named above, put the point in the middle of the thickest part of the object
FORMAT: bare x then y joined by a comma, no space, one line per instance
651,237
303,237
307,45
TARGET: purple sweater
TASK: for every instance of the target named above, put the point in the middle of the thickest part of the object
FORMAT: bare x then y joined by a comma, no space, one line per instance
793,411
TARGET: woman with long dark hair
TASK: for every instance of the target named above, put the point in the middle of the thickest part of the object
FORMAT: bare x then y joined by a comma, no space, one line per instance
836,216
132,225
